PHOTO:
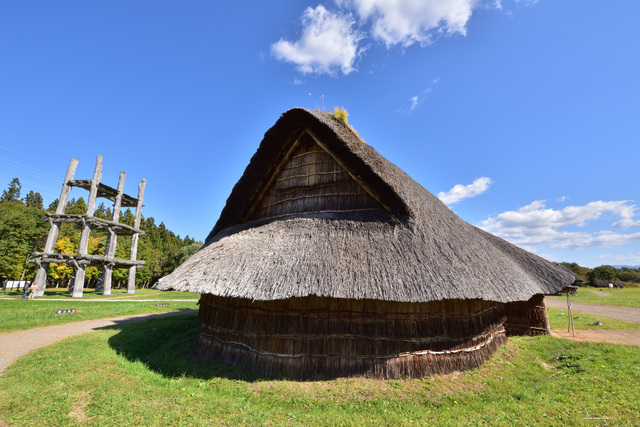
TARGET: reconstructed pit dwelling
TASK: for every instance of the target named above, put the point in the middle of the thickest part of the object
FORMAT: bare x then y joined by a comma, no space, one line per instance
330,261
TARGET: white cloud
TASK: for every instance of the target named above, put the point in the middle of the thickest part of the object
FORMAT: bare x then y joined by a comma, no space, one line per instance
405,22
535,224
414,102
632,258
418,99
328,43
460,192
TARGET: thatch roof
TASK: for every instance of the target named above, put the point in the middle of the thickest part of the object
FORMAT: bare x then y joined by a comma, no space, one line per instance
412,249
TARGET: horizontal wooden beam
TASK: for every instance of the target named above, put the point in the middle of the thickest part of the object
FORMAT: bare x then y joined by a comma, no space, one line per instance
82,259
96,223
105,191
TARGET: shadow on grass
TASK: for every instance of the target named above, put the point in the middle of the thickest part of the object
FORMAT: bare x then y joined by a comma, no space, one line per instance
168,345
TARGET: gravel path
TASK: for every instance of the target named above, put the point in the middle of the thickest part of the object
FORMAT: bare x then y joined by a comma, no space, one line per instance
19,343
629,314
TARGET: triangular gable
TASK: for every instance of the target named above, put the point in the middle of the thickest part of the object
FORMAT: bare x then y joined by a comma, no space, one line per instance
309,180
361,162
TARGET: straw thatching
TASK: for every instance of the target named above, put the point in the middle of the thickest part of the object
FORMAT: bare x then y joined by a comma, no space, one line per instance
328,260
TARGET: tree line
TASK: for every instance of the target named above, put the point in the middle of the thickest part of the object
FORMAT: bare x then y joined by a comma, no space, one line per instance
603,275
24,231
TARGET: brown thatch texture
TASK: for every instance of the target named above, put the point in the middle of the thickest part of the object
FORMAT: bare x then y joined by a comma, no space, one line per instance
325,337
415,249
527,317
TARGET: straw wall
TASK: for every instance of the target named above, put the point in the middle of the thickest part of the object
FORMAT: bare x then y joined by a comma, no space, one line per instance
310,180
326,337
527,317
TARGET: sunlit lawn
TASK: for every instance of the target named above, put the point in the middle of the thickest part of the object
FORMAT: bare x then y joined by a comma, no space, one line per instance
90,293
559,319
149,373
627,297
25,314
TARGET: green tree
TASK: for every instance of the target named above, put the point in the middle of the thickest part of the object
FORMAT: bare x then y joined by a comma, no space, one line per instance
577,269
53,206
13,192
181,256
629,275
21,232
102,211
603,272
33,200
76,207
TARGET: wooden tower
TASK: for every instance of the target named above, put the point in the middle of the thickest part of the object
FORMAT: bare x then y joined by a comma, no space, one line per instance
86,222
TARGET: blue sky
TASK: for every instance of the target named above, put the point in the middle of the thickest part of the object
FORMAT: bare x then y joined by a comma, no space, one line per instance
523,116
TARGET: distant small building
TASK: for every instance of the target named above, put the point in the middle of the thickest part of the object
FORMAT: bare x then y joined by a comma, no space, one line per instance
328,260
607,283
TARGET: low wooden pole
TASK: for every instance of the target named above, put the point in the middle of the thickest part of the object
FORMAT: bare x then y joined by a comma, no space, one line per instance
571,325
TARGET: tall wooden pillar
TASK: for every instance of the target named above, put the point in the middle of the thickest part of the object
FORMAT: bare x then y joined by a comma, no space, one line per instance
112,238
131,282
78,281
43,268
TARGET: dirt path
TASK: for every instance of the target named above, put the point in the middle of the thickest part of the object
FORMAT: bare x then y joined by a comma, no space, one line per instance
600,294
615,337
601,335
19,343
629,314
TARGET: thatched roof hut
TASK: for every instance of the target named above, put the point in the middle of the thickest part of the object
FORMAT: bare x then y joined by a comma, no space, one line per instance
329,260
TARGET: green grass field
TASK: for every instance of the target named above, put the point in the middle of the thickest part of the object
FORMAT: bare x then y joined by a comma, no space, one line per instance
24,314
559,319
61,293
148,373
627,297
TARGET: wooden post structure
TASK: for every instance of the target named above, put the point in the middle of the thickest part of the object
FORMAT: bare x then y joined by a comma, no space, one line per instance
112,238
131,282
571,325
43,267
87,222
78,282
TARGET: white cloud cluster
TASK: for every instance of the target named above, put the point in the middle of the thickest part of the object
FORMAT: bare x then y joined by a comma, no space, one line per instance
460,192
405,22
535,224
328,42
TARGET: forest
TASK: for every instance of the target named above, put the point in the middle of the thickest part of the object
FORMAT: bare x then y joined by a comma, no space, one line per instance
23,230
603,275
